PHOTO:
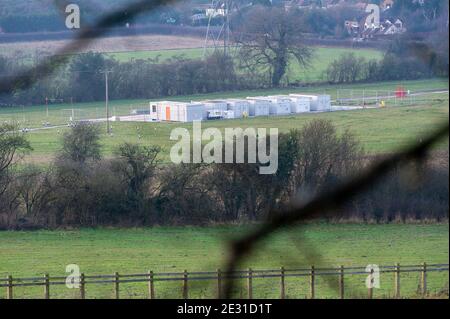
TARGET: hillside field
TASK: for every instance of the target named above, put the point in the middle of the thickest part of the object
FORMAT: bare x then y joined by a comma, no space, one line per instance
379,130
173,249
323,56
164,48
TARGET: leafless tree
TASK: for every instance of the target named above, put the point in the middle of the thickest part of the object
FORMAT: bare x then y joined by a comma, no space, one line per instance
269,39
13,145
34,189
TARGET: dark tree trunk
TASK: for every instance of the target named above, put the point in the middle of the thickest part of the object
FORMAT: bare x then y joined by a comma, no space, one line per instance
279,65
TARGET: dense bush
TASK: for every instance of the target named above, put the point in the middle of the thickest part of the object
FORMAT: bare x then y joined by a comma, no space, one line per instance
405,58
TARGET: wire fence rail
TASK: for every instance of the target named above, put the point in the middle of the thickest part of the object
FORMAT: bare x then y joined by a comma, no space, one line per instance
283,274
388,98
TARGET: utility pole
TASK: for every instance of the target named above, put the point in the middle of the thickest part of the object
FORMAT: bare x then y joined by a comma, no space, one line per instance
108,129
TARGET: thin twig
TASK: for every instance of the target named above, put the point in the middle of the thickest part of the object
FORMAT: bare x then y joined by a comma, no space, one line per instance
86,35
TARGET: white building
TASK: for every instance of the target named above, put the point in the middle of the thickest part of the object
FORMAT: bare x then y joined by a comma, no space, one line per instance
300,104
277,106
239,107
258,107
177,111
214,108
318,103
297,104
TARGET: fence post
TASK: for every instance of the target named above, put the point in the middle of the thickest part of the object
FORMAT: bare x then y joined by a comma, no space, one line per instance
424,279
219,284
185,285
116,285
250,284
312,292
9,288
46,286
282,285
82,287
370,290
341,282
151,285
397,280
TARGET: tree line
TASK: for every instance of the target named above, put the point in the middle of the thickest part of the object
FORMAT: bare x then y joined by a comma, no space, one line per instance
268,40
81,188
405,59
83,79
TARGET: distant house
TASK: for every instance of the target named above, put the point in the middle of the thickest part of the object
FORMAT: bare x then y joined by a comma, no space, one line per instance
395,28
389,28
363,31
352,27
216,12
386,4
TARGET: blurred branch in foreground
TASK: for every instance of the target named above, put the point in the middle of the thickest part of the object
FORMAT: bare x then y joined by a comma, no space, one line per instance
326,202
86,35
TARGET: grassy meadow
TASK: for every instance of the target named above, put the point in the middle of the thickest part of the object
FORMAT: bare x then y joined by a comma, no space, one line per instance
168,47
379,130
323,56
174,249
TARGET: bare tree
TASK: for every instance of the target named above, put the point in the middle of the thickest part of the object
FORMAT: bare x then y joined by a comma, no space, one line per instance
324,156
135,166
269,39
34,190
13,145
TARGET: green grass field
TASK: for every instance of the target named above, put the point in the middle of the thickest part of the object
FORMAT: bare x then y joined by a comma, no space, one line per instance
379,130
173,249
323,56
104,251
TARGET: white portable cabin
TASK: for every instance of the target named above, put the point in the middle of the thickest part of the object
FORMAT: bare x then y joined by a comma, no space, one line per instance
154,110
228,115
239,107
214,108
258,107
277,106
298,104
178,111
318,103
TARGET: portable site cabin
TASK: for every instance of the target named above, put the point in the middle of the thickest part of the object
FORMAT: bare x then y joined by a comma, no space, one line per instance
178,111
239,107
258,107
298,104
277,105
228,115
318,103
214,109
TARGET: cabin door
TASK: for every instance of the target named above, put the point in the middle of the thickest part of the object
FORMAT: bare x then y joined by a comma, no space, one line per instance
167,113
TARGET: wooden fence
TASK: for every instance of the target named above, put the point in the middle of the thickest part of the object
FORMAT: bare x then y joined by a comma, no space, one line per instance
116,279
